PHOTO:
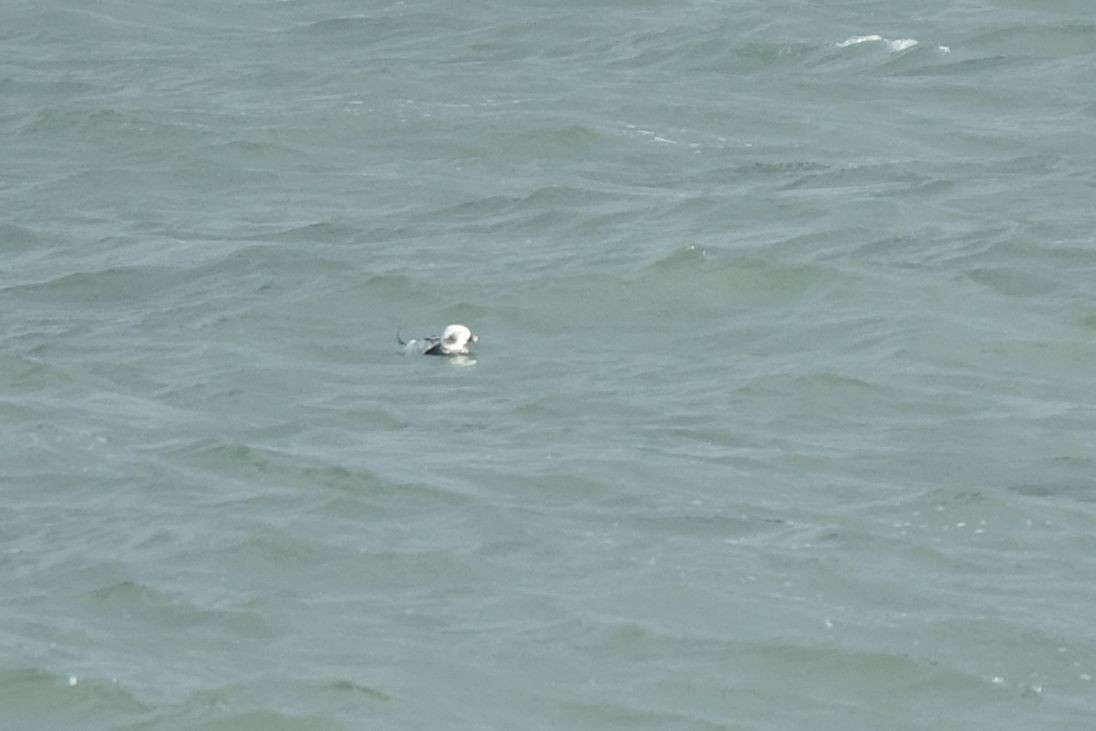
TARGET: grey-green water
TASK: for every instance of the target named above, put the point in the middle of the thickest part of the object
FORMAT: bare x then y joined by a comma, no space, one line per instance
782,417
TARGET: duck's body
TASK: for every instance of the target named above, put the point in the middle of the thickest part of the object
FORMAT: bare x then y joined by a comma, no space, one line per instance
453,341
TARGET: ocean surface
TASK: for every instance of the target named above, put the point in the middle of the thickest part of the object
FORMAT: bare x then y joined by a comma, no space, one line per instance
783,414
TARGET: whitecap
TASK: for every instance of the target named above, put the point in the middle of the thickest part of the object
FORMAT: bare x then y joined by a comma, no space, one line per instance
857,40
901,44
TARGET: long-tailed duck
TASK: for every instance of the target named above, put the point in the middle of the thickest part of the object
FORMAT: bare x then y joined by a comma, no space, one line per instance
453,341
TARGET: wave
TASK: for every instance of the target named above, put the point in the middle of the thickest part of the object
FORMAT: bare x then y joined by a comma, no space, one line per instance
47,698
895,46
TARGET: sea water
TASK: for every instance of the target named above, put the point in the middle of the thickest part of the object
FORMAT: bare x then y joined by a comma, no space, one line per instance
782,415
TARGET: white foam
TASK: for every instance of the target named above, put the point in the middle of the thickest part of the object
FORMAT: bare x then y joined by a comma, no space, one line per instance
901,44
894,46
855,40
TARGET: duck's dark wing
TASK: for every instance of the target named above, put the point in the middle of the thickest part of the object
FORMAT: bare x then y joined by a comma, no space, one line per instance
421,345
435,347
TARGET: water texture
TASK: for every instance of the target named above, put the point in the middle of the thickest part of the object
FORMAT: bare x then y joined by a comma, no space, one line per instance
782,415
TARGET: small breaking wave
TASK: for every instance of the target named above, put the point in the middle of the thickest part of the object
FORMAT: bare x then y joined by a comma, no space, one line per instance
892,45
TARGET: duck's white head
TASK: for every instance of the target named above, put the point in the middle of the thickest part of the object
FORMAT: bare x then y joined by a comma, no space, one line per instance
456,339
